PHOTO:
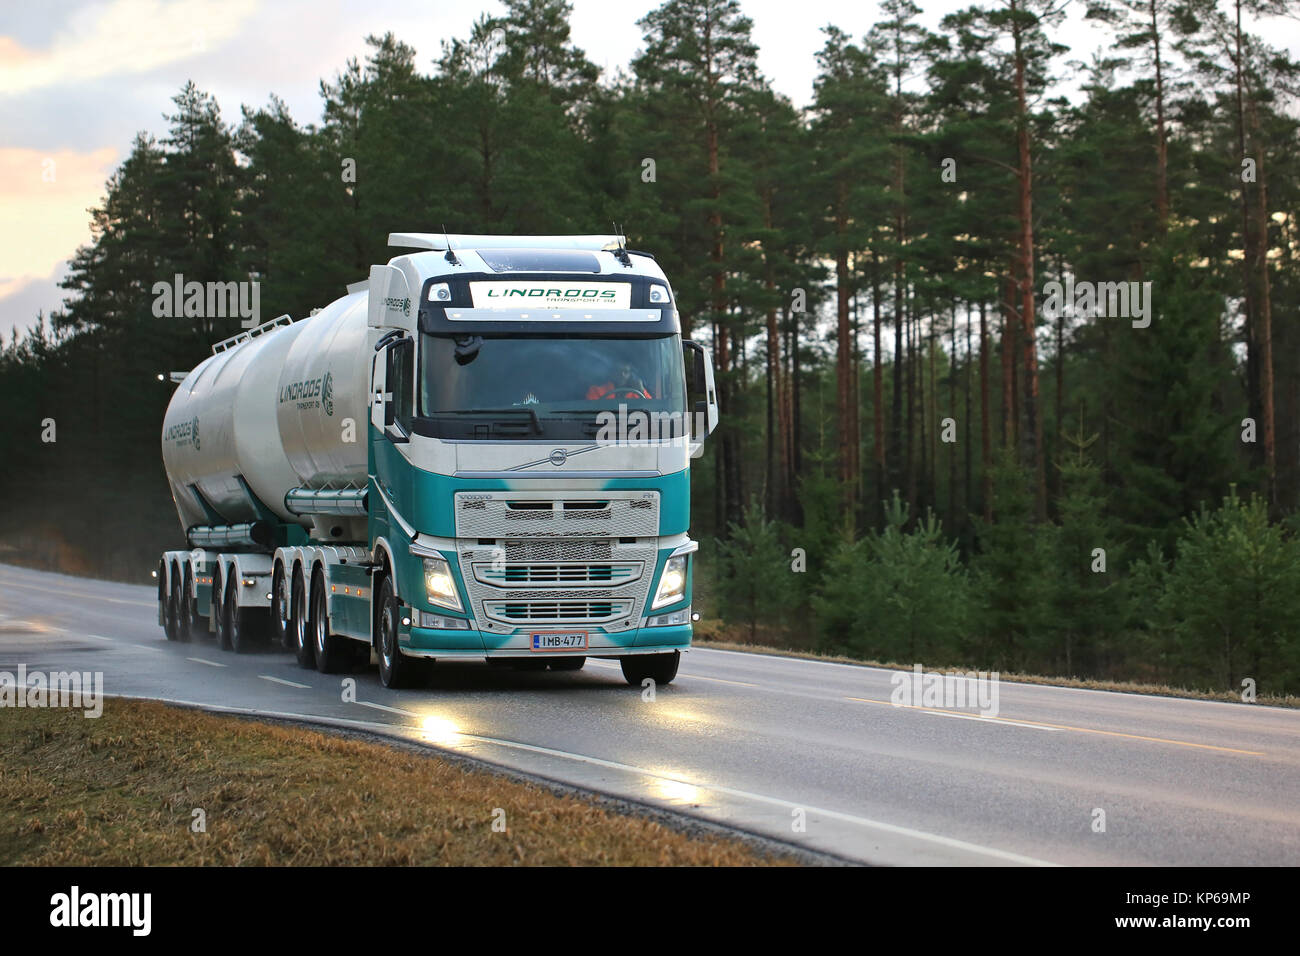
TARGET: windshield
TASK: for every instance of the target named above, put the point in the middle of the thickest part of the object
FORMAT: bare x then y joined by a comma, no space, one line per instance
552,387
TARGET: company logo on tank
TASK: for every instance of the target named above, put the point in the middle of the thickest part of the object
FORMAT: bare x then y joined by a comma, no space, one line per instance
184,433
311,393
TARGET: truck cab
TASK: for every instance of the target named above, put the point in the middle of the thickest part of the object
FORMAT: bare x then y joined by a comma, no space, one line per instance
533,415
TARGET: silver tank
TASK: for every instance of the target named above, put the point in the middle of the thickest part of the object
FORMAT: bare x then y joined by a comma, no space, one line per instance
283,409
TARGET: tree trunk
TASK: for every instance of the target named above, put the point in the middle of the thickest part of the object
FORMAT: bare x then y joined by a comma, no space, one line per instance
1162,143
1032,434
877,392
986,442
843,383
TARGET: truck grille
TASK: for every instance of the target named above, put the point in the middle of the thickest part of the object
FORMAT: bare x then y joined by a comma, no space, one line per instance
509,575
532,557
533,612
522,514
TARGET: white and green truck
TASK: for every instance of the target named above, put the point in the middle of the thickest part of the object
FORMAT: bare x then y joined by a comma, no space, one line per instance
481,452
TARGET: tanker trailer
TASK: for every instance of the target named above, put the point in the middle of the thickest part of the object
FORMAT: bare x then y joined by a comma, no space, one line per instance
481,452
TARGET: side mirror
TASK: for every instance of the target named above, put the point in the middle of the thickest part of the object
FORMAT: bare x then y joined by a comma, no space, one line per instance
700,387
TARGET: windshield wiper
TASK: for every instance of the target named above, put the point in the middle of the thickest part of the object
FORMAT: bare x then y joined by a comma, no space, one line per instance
513,410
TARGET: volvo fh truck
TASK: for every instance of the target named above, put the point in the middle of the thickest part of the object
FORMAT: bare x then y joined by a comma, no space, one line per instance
481,452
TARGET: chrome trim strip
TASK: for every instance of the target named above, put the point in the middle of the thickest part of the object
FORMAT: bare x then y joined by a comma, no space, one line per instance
505,475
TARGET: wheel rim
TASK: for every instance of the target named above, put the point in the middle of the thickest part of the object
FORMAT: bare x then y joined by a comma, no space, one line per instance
232,618
280,605
387,637
219,608
297,622
318,618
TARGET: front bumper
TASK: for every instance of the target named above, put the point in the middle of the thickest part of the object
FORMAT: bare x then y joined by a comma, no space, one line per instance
474,644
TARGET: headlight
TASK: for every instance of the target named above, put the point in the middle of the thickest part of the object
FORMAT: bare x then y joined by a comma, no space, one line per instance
659,295
440,292
672,583
439,585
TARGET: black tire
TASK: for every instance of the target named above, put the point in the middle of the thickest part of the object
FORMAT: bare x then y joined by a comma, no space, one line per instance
167,598
568,663
188,620
230,619
660,668
333,655
302,646
245,626
281,634
395,668
219,610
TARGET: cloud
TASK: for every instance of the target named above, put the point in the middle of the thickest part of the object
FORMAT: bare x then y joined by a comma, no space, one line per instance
121,37
22,300
44,198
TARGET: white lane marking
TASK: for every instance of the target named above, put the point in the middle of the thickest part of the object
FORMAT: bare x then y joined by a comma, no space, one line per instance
89,597
199,660
149,647
100,637
991,720
281,680
596,761
391,710
720,680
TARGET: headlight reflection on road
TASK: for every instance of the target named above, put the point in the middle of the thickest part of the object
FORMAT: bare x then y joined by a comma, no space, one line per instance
676,791
440,730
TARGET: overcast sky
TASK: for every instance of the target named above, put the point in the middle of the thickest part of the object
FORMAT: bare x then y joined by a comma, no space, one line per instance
78,80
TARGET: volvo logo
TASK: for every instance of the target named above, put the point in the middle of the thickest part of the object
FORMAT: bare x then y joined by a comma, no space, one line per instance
558,457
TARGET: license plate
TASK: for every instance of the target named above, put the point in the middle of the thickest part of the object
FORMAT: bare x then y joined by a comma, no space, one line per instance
559,640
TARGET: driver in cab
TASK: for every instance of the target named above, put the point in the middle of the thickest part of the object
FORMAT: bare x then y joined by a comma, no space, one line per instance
625,383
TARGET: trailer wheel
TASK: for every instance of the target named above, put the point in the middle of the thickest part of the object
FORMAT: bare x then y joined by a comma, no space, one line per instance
660,668
332,653
395,669
243,624
302,645
187,619
167,601
219,609
281,633
568,663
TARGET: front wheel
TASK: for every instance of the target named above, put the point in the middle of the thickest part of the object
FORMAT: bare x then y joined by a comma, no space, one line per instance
660,668
395,668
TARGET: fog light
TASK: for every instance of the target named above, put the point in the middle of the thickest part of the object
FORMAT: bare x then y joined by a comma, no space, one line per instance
671,619
443,623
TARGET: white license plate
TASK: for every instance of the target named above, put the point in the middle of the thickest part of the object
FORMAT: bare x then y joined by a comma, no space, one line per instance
558,641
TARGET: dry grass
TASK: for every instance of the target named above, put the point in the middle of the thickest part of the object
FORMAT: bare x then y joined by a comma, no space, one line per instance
1128,687
120,790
